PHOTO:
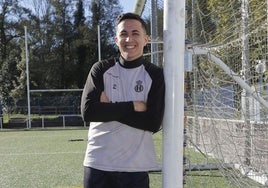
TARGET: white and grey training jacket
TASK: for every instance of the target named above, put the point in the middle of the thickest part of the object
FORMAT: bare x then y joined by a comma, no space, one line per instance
119,138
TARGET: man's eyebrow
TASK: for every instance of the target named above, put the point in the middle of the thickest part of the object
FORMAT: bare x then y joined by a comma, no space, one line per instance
133,31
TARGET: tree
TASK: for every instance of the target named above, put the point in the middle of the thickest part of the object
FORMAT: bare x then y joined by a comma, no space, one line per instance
81,44
11,32
8,78
104,14
62,42
79,15
19,87
63,34
11,18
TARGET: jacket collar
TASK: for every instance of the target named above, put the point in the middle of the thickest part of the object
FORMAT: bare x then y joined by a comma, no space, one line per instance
131,64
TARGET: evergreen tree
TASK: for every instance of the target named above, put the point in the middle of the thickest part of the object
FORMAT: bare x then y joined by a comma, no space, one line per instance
12,17
8,77
104,14
62,43
19,87
63,34
79,15
81,42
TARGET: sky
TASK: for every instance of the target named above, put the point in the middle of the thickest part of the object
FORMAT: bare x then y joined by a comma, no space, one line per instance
128,5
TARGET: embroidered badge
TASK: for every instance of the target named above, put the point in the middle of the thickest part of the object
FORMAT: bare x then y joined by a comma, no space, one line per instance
139,87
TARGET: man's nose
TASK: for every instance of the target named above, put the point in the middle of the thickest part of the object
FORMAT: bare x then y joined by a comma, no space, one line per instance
128,39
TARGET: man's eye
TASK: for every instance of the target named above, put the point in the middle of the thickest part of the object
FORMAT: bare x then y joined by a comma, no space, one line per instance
123,34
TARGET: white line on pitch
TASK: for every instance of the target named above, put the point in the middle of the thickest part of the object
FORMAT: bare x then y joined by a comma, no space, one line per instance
51,153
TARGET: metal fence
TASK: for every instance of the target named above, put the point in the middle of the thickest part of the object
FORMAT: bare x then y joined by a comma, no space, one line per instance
58,121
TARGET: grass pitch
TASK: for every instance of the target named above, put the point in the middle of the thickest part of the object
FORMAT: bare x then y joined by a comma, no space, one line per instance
54,159
46,159
33,159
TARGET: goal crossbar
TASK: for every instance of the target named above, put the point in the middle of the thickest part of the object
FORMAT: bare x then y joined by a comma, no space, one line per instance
227,70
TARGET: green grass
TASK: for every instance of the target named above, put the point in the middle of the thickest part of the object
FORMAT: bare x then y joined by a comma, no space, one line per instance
41,158
46,159
49,159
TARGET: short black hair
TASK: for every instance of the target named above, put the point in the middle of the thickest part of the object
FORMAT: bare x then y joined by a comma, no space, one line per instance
133,16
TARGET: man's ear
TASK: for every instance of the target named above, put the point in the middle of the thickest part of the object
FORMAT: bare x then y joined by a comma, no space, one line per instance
116,40
147,38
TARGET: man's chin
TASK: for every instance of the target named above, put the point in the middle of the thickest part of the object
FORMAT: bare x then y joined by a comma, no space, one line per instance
127,57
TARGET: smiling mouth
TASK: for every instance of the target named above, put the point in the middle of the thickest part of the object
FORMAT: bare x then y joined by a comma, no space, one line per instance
129,47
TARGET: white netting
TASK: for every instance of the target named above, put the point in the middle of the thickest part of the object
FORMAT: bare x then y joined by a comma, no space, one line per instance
226,91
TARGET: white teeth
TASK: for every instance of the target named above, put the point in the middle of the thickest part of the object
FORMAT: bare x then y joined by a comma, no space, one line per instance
130,47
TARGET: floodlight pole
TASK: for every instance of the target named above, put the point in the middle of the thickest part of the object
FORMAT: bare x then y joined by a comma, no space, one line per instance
28,82
99,43
154,46
173,123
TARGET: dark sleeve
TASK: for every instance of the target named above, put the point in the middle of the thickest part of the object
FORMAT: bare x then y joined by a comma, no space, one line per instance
92,109
151,119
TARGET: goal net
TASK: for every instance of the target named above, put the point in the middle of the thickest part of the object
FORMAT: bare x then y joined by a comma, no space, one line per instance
226,90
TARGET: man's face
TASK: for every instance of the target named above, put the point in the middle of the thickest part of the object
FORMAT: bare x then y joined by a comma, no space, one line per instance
131,39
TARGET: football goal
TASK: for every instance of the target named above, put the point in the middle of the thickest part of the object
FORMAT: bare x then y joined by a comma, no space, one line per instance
226,89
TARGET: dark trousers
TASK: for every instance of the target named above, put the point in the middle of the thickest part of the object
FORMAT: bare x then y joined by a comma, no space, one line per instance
94,178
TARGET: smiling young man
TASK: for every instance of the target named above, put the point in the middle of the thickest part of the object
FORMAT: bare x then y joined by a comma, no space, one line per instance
123,99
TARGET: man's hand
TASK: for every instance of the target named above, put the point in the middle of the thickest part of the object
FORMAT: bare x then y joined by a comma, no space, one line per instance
104,98
139,106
